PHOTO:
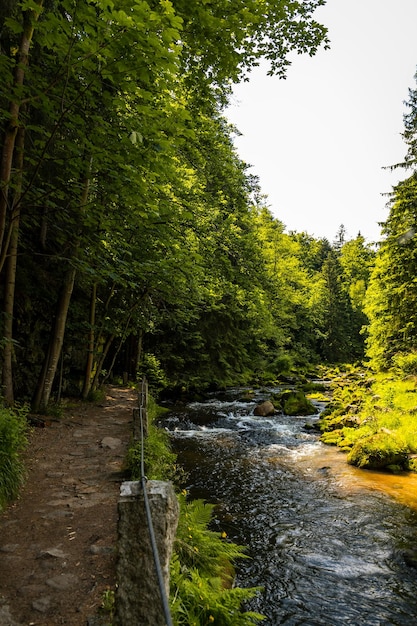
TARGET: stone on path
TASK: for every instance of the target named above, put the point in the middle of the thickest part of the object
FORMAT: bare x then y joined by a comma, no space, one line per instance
111,442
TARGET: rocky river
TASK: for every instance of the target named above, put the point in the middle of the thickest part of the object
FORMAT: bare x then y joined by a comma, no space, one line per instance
329,544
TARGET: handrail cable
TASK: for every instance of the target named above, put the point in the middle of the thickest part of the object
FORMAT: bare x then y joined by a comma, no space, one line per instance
143,480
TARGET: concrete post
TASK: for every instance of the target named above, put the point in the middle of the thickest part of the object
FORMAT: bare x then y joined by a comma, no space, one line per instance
138,597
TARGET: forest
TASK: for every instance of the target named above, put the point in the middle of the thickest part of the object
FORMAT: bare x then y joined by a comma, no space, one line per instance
134,240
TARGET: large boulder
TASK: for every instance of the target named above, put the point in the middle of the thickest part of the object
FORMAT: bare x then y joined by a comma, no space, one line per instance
264,409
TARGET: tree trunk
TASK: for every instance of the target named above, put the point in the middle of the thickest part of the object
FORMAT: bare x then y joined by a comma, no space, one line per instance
121,342
91,346
10,282
29,19
43,392
46,379
100,363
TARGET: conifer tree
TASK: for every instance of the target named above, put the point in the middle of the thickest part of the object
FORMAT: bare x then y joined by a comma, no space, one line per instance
391,302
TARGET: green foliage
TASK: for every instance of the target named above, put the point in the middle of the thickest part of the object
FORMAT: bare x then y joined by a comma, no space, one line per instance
96,395
13,440
201,573
108,603
132,186
391,297
375,419
150,367
159,460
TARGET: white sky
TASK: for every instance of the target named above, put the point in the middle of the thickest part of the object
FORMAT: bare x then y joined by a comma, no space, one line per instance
319,139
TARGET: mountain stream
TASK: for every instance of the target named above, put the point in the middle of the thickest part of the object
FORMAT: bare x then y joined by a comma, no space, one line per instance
328,543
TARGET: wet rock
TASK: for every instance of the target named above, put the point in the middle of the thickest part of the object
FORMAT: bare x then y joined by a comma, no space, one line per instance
410,557
378,451
294,403
324,470
264,409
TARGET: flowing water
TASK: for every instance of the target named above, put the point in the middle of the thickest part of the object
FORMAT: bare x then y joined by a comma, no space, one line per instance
328,543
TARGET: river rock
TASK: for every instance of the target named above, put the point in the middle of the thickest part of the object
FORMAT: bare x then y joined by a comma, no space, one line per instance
294,403
410,557
264,409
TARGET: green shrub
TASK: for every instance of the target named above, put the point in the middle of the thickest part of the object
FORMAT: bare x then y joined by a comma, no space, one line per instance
406,363
151,368
160,462
13,439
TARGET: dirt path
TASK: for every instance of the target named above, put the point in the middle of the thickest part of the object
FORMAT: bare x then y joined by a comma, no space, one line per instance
57,543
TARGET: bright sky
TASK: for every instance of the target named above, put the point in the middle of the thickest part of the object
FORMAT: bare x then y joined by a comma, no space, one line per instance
319,139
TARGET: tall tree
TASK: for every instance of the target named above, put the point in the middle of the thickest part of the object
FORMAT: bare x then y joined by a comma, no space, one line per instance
391,297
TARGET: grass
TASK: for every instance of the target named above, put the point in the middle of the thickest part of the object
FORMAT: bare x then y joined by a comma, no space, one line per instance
13,440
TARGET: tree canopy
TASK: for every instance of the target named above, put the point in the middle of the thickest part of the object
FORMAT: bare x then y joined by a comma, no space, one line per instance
132,236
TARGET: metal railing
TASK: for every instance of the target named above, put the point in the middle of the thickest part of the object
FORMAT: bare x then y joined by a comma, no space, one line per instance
143,423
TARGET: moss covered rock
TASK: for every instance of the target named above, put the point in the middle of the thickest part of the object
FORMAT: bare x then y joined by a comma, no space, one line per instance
379,451
294,403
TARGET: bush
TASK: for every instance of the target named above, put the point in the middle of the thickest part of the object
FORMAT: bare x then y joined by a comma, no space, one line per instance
406,363
160,462
13,439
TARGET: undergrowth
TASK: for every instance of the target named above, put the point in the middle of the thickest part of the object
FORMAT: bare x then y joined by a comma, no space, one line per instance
13,440
160,462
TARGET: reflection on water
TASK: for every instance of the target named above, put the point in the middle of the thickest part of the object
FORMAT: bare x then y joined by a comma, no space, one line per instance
401,486
327,541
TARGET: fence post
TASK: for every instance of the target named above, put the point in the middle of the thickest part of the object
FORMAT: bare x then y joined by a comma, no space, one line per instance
138,599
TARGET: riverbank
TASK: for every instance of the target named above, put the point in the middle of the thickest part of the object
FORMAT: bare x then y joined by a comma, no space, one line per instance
57,542
373,418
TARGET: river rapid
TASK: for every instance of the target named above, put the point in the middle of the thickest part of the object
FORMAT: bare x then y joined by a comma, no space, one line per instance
328,543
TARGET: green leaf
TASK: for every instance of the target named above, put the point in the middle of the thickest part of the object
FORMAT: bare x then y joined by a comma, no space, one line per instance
15,26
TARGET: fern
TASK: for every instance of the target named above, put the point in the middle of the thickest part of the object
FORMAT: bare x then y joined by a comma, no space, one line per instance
202,573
